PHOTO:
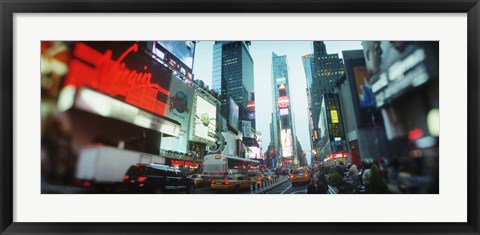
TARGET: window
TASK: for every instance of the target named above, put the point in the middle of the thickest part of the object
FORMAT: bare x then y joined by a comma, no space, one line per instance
171,173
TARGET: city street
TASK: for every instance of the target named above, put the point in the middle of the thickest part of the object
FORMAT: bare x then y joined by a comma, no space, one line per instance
139,115
284,187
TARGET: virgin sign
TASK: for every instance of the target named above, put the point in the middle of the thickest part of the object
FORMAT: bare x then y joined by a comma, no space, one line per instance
121,70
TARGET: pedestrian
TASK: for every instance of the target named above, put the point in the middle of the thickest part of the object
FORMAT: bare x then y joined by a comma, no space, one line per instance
316,186
353,171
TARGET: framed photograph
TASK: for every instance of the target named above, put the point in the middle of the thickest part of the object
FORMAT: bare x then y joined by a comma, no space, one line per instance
202,117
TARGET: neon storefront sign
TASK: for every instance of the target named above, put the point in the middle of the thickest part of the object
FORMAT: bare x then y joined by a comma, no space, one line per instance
131,76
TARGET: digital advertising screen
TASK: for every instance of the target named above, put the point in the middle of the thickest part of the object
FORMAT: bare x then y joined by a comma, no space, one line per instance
283,112
182,50
287,152
176,55
286,142
254,152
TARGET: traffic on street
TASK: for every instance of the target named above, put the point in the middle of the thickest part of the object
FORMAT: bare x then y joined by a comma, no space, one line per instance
239,117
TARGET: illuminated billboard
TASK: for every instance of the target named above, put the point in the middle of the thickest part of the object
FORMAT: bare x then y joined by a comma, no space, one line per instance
251,106
177,55
121,70
286,142
283,112
182,50
287,152
283,102
334,116
179,108
91,101
233,114
254,152
204,120
364,89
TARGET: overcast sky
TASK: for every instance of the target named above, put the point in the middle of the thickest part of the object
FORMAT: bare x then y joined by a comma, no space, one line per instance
261,52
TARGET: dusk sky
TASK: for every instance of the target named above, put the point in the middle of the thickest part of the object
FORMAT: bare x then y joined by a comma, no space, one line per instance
261,52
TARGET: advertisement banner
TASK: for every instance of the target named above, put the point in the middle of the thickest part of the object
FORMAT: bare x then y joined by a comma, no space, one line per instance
204,121
254,152
334,116
364,89
179,107
358,77
233,114
286,142
231,144
283,112
247,129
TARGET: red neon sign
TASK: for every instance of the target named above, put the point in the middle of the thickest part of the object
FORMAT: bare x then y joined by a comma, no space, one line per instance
181,162
132,81
251,106
283,102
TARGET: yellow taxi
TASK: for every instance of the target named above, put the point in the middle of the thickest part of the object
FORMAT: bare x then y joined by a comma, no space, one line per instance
299,176
231,183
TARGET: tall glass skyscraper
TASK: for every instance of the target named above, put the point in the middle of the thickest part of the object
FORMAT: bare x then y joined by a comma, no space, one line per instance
283,125
233,76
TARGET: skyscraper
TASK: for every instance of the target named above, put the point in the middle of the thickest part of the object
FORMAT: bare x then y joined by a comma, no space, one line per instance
307,66
283,126
327,70
233,76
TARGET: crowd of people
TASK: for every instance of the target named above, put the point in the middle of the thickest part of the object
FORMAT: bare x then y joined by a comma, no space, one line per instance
398,175
369,177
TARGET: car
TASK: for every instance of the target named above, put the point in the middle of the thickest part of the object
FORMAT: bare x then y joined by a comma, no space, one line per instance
156,178
233,183
299,176
198,180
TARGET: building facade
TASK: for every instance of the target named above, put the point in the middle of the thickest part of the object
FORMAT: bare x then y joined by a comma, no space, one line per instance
327,70
232,73
284,129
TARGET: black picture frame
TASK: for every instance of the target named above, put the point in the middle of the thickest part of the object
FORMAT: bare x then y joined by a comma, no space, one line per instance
9,7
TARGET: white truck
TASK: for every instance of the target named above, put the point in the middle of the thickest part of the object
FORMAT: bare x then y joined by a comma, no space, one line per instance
106,166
